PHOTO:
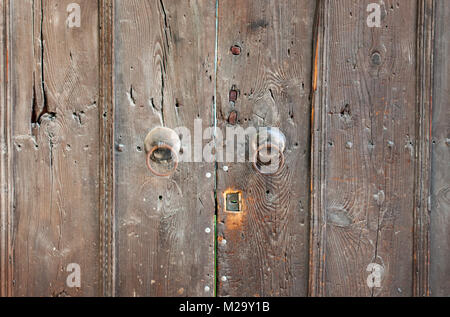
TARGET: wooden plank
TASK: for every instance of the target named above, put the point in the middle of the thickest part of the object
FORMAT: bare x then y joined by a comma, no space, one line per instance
164,68
106,113
5,156
55,125
422,208
263,250
365,150
440,195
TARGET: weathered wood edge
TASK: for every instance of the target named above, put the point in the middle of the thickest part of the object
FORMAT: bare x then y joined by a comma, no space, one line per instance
318,99
422,203
106,181
6,193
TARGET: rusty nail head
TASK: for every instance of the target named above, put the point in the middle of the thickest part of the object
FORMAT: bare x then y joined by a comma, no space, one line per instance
232,117
235,50
233,95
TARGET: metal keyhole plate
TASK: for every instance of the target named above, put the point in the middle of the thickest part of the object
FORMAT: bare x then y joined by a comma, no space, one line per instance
233,202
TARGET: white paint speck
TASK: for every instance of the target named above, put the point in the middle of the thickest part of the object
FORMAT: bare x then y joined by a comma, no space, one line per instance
208,175
225,168
224,242
207,289
223,279
208,230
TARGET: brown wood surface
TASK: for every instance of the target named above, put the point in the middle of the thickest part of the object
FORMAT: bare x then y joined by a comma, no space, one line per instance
440,186
365,112
55,150
164,68
266,249
5,157
106,114
366,135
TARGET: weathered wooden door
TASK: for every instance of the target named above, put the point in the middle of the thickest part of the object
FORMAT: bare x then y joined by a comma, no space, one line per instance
358,206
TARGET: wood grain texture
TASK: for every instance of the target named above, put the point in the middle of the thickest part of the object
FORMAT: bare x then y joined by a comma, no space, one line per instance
164,70
440,179
422,204
263,250
5,155
55,127
106,179
365,112
365,145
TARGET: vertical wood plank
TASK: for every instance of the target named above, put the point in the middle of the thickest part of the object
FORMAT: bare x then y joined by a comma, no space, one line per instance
164,68
106,114
5,156
263,250
422,174
440,195
369,142
55,126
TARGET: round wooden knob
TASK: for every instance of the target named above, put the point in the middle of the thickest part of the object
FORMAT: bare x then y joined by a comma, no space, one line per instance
162,146
268,147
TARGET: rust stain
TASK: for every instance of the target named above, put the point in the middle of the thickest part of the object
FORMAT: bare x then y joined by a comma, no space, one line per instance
232,118
316,61
314,81
234,221
236,50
